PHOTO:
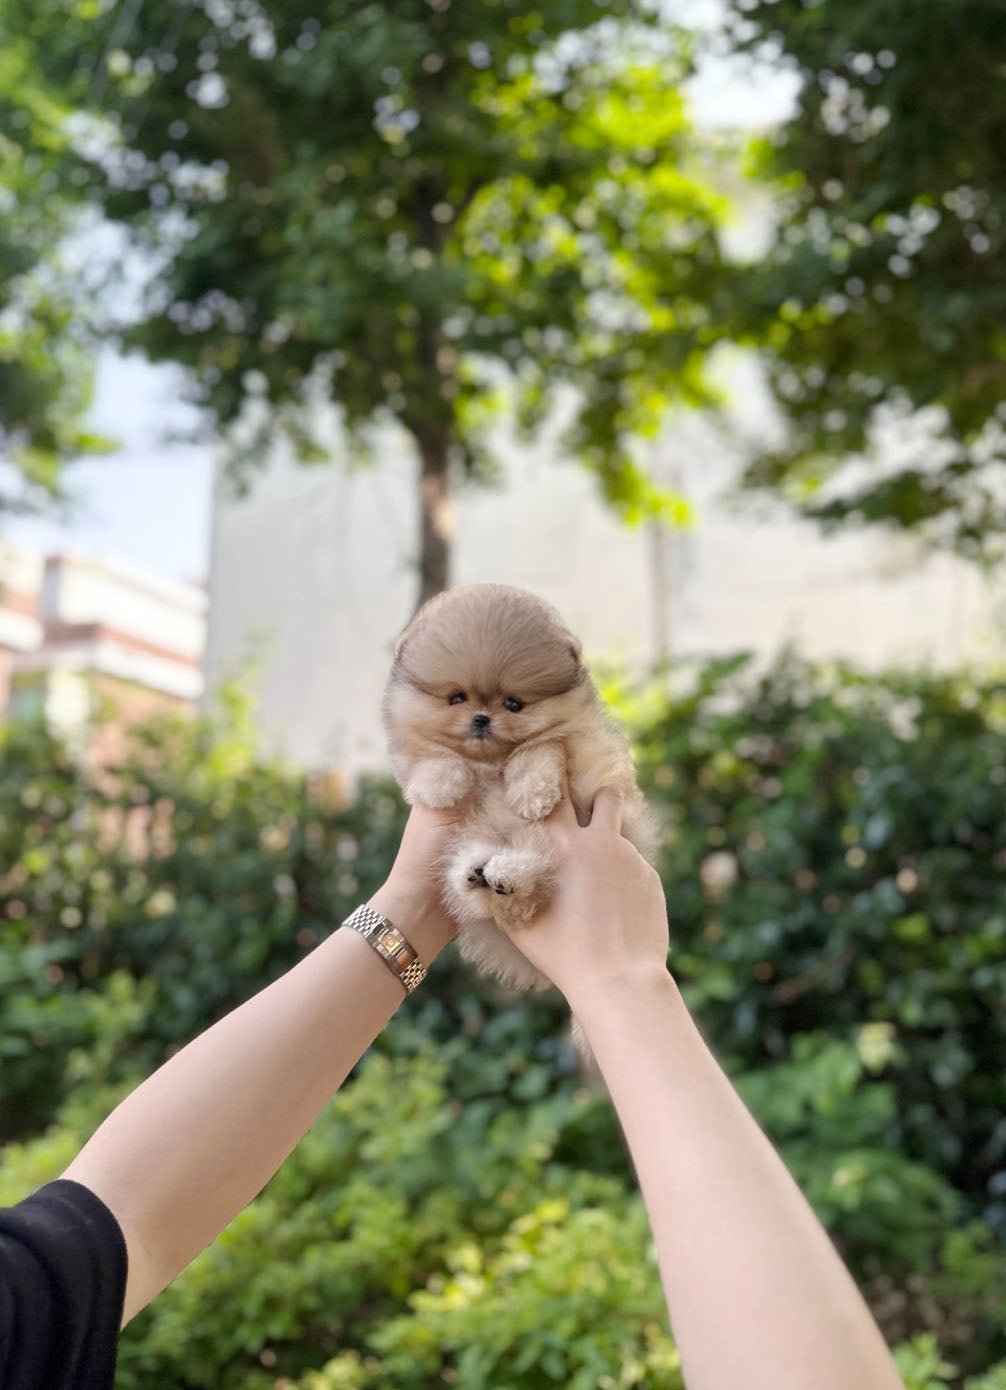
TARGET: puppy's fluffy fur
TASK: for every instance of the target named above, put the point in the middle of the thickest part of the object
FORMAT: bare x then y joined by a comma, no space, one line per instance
488,698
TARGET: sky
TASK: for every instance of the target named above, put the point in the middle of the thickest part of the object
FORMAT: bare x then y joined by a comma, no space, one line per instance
149,503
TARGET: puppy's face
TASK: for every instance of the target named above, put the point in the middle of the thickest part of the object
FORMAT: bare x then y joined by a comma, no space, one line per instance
482,669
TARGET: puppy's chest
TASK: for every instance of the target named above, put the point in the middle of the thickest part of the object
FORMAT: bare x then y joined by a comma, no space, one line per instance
491,782
489,777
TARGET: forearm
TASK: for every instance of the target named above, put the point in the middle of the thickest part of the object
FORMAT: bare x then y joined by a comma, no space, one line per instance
757,1294
186,1151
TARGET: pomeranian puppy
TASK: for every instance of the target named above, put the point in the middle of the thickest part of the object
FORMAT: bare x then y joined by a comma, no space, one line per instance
488,699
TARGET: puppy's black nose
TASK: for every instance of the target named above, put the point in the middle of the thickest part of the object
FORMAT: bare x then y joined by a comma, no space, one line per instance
480,722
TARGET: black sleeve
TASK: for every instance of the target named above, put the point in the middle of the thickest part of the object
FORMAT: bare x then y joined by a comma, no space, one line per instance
62,1283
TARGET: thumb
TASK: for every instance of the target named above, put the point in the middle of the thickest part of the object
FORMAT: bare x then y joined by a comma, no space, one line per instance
563,812
607,811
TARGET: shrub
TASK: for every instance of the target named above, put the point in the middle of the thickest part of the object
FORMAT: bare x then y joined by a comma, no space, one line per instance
191,865
834,858
833,854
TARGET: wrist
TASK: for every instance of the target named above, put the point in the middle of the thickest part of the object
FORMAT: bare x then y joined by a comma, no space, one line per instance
617,996
422,928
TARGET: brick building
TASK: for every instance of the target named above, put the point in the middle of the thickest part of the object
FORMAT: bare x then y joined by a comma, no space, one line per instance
79,633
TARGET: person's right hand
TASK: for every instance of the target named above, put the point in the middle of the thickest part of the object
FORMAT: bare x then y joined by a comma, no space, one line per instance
606,926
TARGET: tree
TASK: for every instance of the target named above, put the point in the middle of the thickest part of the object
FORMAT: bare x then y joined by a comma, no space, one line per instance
46,372
887,285
403,206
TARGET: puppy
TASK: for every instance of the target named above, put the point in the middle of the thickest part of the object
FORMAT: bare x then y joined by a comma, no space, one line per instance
488,699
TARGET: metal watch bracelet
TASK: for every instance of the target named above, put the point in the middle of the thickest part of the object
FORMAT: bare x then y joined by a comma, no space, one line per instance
398,954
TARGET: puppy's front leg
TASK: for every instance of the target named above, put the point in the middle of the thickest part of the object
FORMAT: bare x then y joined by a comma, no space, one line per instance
438,782
533,779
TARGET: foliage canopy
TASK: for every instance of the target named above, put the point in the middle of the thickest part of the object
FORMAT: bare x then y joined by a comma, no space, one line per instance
397,207
46,372
885,292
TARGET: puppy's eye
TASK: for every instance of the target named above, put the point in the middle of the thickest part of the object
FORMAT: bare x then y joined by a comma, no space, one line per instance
458,698
513,704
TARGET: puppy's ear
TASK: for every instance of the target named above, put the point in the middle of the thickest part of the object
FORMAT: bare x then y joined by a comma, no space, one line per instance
413,623
576,652
401,641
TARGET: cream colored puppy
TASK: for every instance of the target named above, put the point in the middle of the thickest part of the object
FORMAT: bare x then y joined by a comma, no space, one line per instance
488,699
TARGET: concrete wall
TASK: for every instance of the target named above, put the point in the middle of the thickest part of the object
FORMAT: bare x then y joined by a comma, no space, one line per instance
313,575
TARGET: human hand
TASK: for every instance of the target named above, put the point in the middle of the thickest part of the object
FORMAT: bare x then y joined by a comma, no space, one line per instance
411,896
606,926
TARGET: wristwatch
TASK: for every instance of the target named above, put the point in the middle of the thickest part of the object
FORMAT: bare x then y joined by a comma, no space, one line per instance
398,954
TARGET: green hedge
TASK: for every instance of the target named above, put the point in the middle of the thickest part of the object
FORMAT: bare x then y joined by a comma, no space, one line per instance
833,857
850,840
246,870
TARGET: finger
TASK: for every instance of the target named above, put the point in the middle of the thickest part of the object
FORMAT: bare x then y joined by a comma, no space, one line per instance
563,813
607,811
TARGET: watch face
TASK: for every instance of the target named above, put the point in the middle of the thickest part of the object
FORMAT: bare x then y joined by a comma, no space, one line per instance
399,949
390,945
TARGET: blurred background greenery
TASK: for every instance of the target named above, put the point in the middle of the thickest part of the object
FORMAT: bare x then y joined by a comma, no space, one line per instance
833,855
401,206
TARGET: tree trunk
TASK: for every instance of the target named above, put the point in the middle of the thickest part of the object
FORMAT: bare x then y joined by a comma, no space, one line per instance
436,514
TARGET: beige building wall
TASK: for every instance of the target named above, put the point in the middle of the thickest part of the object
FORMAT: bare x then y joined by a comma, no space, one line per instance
313,576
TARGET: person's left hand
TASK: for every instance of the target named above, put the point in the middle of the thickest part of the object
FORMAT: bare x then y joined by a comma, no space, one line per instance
411,895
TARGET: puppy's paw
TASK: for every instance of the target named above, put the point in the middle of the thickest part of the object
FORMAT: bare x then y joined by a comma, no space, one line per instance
533,780
533,796
512,911
439,783
518,880
466,869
